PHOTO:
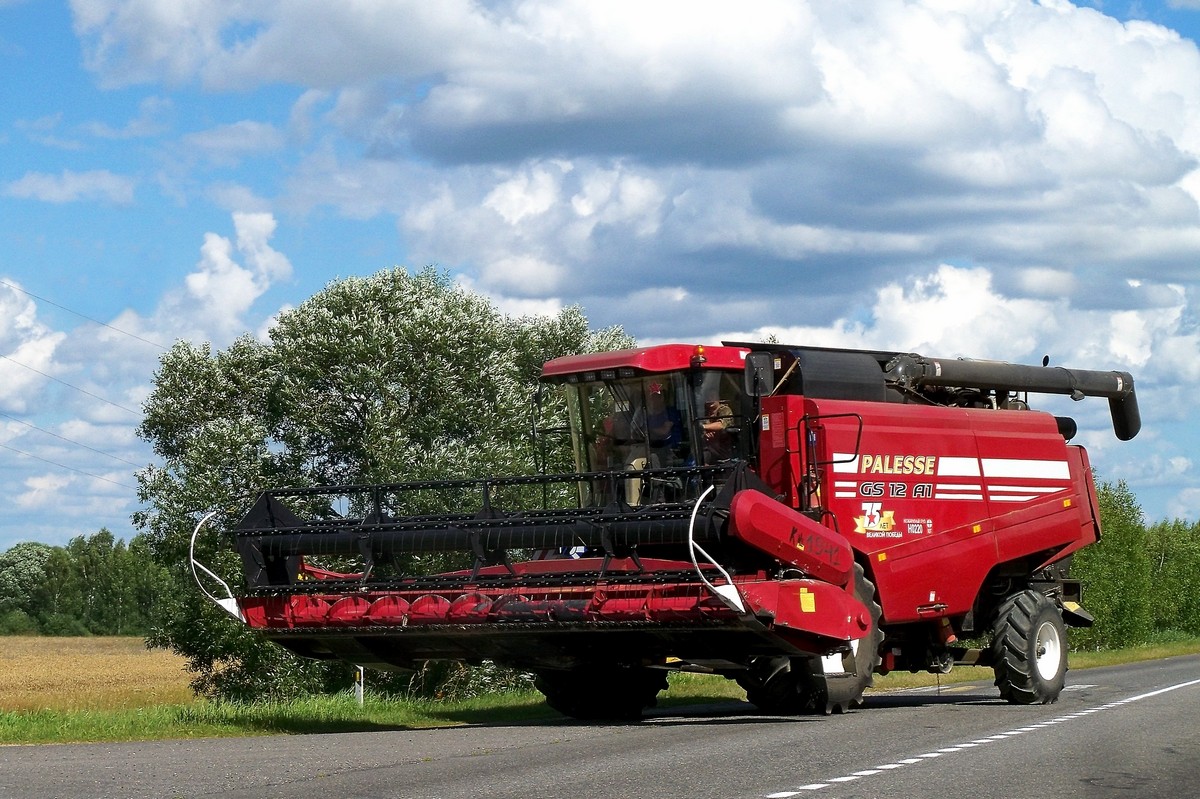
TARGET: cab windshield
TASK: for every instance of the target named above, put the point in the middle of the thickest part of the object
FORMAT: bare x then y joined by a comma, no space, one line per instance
657,421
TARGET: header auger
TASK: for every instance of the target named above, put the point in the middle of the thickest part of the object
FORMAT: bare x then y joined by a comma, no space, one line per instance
793,518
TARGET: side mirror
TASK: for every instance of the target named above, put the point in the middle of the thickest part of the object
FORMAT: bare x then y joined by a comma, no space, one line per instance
759,378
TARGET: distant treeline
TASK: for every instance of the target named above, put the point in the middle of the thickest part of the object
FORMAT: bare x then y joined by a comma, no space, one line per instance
1141,582
95,585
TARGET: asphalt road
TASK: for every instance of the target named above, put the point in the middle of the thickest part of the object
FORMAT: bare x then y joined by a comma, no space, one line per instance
1125,731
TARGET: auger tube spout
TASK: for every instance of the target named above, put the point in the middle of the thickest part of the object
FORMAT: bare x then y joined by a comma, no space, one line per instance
916,371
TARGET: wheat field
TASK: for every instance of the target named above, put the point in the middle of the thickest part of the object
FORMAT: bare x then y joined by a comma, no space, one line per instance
73,674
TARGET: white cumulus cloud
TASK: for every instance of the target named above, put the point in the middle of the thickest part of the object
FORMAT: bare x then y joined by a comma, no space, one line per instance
69,186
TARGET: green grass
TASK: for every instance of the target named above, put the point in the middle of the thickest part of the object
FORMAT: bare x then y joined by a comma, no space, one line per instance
201,719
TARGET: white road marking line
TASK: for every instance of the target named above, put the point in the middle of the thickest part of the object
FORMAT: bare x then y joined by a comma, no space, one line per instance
962,747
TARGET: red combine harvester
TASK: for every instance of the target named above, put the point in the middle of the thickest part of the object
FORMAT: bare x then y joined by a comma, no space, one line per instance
793,518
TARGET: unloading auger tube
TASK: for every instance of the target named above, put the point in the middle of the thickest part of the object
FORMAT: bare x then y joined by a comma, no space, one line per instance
916,371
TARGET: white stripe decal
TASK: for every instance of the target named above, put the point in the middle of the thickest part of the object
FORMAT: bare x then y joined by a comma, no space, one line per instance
958,467
1026,469
1029,489
845,463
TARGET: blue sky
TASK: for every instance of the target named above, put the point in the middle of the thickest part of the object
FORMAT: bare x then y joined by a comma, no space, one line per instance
999,179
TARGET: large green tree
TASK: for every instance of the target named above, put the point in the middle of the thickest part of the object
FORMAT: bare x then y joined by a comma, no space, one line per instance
22,570
391,377
1175,564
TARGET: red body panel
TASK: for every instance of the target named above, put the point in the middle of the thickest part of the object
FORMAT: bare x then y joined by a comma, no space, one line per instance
791,537
808,607
934,498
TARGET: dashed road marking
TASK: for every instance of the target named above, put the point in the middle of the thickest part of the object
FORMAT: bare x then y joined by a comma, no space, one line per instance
963,747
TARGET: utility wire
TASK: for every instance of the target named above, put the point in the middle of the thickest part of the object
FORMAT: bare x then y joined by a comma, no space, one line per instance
15,287
76,388
115,329
64,466
71,441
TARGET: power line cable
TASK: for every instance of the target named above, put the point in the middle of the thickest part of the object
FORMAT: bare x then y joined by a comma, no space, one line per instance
71,441
68,385
15,287
47,461
64,466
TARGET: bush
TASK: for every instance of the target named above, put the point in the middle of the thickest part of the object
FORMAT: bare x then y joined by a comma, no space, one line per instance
455,681
17,622
63,624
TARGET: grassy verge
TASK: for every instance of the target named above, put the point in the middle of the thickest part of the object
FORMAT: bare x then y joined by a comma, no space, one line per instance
61,690
312,715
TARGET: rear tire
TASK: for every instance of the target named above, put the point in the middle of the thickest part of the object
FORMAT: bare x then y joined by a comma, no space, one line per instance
594,693
1029,650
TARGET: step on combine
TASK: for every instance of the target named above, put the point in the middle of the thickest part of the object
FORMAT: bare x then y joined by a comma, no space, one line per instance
793,518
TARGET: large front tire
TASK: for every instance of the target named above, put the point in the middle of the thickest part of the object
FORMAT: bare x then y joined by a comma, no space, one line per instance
821,685
594,693
840,685
1029,650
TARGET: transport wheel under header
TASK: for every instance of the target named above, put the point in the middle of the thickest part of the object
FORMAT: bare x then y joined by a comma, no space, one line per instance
601,692
839,683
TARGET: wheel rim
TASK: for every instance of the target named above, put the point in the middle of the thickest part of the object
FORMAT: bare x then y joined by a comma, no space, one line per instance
1048,655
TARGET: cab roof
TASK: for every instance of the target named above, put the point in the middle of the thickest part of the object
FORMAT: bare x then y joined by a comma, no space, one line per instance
647,360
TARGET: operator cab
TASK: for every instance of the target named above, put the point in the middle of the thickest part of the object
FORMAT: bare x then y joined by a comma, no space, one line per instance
626,420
